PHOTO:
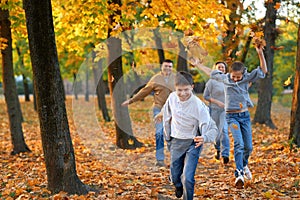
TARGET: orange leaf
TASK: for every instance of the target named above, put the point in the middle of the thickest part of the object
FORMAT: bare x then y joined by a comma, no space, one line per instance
277,6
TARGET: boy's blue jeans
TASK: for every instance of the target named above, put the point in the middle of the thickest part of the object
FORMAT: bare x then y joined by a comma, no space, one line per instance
159,137
222,140
184,160
240,127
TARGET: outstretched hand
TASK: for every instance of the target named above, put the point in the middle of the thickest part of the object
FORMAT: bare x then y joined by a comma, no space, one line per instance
259,48
158,118
125,103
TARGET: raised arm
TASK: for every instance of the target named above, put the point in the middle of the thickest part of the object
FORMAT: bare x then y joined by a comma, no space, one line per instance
197,63
262,60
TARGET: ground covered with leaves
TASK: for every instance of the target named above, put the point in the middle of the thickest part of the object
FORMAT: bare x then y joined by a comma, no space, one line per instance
132,174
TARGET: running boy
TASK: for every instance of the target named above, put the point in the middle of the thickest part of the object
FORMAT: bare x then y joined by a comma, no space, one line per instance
187,125
237,101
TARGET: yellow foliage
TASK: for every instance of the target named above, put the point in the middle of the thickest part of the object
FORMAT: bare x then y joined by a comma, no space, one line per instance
258,39
191,15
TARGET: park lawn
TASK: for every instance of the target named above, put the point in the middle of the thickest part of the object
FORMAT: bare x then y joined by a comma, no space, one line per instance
132,174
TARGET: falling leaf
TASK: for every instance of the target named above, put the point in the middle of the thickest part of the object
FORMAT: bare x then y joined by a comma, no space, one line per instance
277,48
288,81
241,105
277,6
235,126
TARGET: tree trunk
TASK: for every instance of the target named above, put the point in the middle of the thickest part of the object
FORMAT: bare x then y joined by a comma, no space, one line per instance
10,90
25,81
295,111
54,127
124,136
265,89
129,37
97,77
75,89
34,97
246,49
182,57
26,88
100,90
86,83
158,42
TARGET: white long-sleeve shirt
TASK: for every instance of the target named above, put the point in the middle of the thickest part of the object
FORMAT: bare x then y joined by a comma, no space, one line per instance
181,119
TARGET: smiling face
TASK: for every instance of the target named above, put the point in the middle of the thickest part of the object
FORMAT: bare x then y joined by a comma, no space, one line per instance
184,92
236,75
221,66
237,71
166,68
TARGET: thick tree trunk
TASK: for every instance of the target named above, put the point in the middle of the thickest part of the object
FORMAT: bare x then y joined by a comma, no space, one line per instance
124,136
265,89
34,98
10,89
295,111
55,133
182,57
158,42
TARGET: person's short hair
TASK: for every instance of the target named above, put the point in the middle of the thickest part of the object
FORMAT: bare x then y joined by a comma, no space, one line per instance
168,61
184,78
237,66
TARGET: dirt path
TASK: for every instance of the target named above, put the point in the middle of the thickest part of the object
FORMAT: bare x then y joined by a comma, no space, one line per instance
132,174
214,180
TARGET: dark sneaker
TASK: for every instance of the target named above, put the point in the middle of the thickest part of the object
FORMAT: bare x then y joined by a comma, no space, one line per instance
179,192
217,156
225,160
160,163
239,181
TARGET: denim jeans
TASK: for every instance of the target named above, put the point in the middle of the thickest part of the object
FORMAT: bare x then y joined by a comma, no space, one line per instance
184,160
240,127
222,140
159,137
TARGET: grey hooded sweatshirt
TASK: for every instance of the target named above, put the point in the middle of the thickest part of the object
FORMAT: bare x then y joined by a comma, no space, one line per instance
236,93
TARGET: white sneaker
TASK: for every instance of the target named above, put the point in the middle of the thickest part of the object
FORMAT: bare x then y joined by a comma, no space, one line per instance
239,181
247,173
